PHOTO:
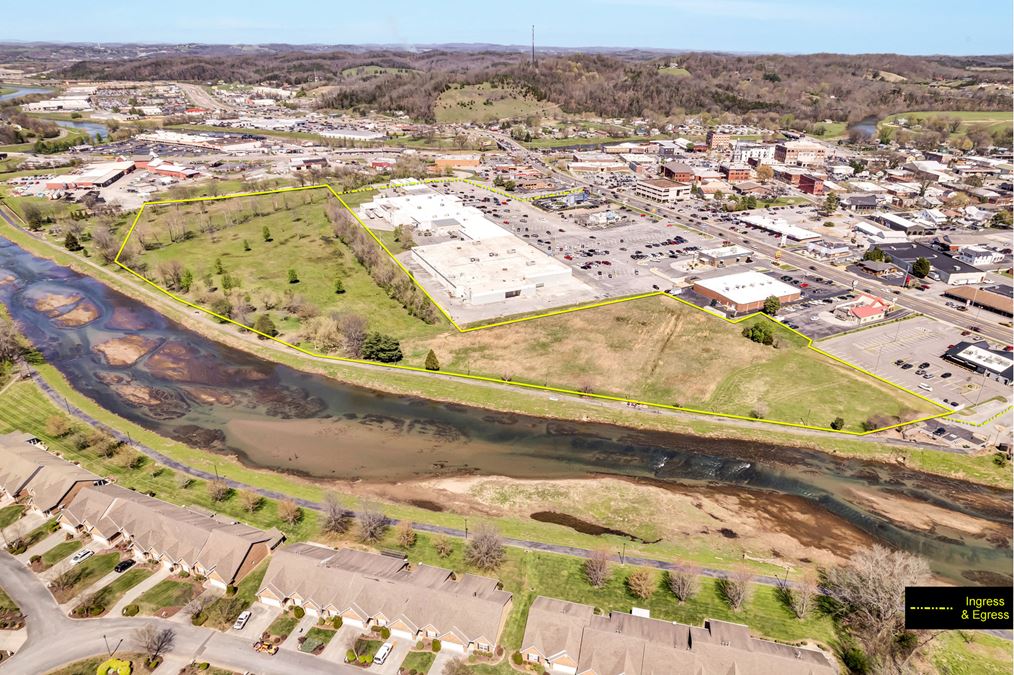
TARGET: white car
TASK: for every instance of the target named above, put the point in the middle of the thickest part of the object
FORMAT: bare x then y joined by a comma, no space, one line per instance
241,620
383,653
81,556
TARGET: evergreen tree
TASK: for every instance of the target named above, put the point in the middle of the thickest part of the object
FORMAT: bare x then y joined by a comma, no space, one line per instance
921,267
293,277
339,287
71,243
218,268
431,361
265,325
186,281
266,233
382,348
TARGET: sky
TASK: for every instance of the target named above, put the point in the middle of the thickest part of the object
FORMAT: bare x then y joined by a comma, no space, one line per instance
783,26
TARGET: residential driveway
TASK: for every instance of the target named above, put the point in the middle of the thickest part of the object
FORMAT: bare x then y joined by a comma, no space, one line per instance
394,659
340,643
101,582
160,574
260,618
305,624
443,658
28,522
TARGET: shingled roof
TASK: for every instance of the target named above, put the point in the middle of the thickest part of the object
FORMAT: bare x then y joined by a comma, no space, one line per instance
27,468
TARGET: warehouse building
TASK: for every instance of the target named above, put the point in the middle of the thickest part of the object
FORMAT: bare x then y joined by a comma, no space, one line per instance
725,255
490,270
944,268
102,174
745,291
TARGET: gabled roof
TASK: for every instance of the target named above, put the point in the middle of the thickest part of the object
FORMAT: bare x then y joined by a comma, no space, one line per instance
468,606
28,468
555,626
180,534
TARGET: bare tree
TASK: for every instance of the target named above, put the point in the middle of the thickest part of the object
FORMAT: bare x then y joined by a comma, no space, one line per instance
597,568
443,546
642,583
485,550
336,517
289,512
197,605
735,588
406,534
352,328
219,490
682,582
372,523
10,341
250,501
868,596
155,641
803,596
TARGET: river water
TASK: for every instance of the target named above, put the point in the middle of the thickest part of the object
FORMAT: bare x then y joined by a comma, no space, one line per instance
90,128
153,371
22,91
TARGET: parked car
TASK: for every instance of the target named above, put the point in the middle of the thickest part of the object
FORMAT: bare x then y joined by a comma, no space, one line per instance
383,653
241,620
81,556
924,364
944,376
925,387
123,566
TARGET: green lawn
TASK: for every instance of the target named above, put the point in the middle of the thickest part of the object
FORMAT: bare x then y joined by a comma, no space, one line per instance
675,71
989,120
282,626
40,533
529,574
418,661
87,573
6,604
971,653
59,552
168,593
301,239
367,648
110,594
90,665
9,514
316,637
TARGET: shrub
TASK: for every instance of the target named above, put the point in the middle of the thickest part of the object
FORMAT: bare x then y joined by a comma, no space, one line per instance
230,590
516,658
838,423
298,612
35,558
364,659
855,660
435,646
204,665
336,622
131,610
199,619
350,656
385,632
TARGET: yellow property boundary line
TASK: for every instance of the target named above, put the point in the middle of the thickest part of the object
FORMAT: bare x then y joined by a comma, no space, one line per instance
466,329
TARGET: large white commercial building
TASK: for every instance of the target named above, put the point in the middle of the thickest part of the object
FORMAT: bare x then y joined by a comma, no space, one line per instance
779,226
745,291
481,263
744,151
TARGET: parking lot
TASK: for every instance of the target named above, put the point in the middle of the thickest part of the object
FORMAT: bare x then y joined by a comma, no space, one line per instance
615,261
909,353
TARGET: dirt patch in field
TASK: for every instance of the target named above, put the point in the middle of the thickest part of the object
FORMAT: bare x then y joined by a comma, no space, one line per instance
583,526
704,520
125,351
83,313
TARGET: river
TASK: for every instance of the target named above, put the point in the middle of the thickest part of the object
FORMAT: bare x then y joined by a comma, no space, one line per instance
21,91
153,371
90,128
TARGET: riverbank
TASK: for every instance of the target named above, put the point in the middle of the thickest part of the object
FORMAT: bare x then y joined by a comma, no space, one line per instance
505,398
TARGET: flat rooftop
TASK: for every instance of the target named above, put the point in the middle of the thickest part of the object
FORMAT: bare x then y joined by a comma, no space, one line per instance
780,226
745,288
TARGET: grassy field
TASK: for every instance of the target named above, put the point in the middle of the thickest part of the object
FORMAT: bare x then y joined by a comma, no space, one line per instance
301,239
656,349
9,514
486,103
418,661
971,653
675,71
87,573
110,594
989,120
166,594
59,552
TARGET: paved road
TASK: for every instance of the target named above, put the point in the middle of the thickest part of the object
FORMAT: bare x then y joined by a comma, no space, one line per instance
54,639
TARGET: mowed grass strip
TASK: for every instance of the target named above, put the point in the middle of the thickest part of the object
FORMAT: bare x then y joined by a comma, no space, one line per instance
299,237
168,594
661,351
87,573
9,514
110,594
59,552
